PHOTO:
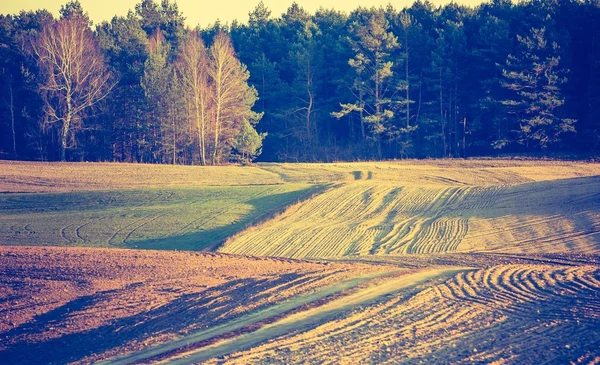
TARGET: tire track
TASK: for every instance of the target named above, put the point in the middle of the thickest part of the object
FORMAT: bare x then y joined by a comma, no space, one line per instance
306,318
474,316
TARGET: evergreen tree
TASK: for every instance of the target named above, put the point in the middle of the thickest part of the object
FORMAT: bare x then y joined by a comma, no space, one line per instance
535,77
490,45
126,47
372,43
302,64
423,81
164,16
248,143
155,82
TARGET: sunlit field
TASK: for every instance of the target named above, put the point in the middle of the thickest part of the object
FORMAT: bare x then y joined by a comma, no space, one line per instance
358,182
421,208
484,261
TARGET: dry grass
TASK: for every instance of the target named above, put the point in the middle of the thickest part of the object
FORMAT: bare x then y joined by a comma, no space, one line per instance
436,172
59,177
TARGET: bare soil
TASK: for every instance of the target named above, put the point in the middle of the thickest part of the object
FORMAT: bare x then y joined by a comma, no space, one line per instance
59,305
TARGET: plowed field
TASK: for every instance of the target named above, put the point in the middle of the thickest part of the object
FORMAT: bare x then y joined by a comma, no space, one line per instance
416,262
375,217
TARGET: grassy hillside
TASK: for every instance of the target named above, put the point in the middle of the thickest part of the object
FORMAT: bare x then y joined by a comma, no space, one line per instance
374,208
176,218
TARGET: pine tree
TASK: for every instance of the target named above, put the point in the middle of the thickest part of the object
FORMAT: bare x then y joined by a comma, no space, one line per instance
534,76
302,63
125,45
372,43
248,143
155,83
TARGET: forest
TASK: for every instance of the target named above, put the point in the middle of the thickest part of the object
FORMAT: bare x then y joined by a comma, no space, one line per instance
425,81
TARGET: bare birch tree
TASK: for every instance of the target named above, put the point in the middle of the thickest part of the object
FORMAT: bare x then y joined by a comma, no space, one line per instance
231,96
75,76
192,65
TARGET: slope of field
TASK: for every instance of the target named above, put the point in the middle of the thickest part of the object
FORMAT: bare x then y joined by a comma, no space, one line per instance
436,172
180,218
379,217
59,305
38,177
419,262
550,216
299,321
505,314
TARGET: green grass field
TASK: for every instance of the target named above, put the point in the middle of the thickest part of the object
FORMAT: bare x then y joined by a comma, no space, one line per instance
153,218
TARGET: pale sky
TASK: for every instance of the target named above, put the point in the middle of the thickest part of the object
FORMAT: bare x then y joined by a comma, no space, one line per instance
204,12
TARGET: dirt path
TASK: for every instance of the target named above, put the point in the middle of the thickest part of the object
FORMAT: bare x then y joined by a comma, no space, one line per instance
183,351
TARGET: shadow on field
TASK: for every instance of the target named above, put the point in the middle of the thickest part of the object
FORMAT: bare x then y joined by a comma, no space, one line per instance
189,311
210,240
169,218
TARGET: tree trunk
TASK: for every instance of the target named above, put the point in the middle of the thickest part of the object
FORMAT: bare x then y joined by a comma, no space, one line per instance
420,99
310,98
465,138
174,141
12,120
65,128
63,137
407,82
201,124
308,116
217,131
201,145
442,115
362,116
455,116
219,100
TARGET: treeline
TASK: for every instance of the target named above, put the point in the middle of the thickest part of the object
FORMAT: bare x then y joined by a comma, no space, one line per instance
142,88
377,83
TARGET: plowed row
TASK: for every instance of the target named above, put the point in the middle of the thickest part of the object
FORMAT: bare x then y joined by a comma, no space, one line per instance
375,218
59,305
452,262
520,314
360,219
